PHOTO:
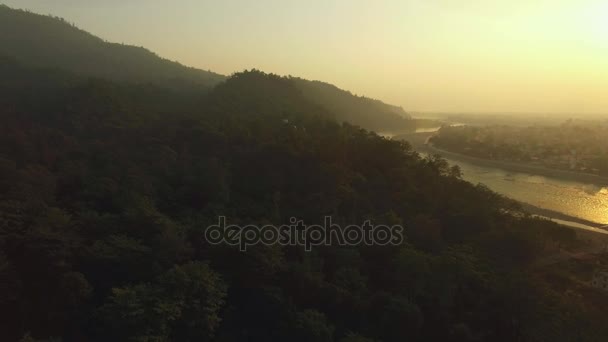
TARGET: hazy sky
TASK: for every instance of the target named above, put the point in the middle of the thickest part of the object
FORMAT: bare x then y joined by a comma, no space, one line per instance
425,55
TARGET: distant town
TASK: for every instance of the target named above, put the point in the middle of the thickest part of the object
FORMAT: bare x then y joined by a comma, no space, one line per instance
575,145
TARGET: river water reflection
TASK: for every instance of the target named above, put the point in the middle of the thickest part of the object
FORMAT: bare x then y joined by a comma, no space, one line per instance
586,201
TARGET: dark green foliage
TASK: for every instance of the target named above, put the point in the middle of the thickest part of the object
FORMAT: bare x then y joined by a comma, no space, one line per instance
106,189
183,304
105,198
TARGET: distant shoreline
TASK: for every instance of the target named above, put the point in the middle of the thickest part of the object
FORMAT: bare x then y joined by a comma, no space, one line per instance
525,168
418,142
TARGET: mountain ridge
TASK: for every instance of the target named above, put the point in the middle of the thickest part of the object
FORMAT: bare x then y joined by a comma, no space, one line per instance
41,41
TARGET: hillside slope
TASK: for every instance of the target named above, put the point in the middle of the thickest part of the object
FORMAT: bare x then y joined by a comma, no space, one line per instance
104,200
359,110
41,41
44,41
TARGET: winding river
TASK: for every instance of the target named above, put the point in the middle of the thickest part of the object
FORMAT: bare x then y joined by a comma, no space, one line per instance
572,198
585,201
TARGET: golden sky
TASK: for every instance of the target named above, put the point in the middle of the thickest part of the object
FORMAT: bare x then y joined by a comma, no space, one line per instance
425,55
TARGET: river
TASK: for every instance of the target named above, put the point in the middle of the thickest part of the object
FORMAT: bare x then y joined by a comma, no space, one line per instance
585,201
572,198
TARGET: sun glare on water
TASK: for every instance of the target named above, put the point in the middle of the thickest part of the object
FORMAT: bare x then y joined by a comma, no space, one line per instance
603,197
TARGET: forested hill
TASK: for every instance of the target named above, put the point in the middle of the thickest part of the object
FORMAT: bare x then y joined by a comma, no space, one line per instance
35,40
359,110
44,41
106,189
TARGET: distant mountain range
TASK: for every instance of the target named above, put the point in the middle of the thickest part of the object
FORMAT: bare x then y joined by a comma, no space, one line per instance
41,41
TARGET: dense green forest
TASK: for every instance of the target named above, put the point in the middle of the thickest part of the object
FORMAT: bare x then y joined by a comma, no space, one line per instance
105,198
106,188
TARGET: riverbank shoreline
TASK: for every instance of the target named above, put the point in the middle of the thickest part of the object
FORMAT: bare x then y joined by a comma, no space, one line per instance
564,219
419,143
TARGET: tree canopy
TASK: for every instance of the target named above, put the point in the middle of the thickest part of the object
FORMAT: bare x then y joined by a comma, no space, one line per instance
106,188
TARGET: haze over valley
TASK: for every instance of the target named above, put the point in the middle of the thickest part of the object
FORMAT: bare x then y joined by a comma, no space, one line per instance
346,171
